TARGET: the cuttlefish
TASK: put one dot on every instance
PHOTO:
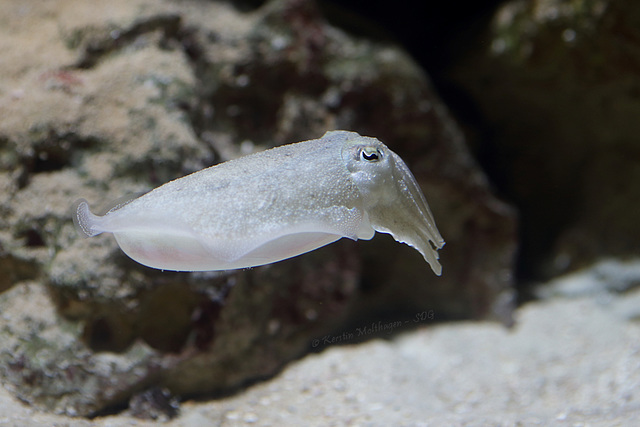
(273, 205)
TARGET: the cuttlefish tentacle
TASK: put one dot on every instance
(271, 206)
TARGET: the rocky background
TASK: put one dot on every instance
(556, 85)
(98, 100)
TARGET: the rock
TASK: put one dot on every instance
(604, 281)
(154, 404)
(557, 83)
(103, 101)
(568, 361)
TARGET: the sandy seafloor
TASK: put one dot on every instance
(572, 359)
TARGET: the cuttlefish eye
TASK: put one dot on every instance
(370, 154)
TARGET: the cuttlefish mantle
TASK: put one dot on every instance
(273, 205)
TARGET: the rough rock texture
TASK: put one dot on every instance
(558, 83)
(570, 361)
(98, 100)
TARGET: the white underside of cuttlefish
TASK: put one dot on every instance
(273, 205)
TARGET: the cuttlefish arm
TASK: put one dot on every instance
(408, 217)
(271, 206)
(393, 199)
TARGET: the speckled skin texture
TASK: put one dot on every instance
(273, 205)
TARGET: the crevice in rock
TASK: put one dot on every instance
(52, 151)
(167, 318)
(97, 46)
(32, 238)
(14, 270)
(109, 331)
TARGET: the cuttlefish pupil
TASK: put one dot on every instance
(371, 154)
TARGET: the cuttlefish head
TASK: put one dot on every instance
(392, 197)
